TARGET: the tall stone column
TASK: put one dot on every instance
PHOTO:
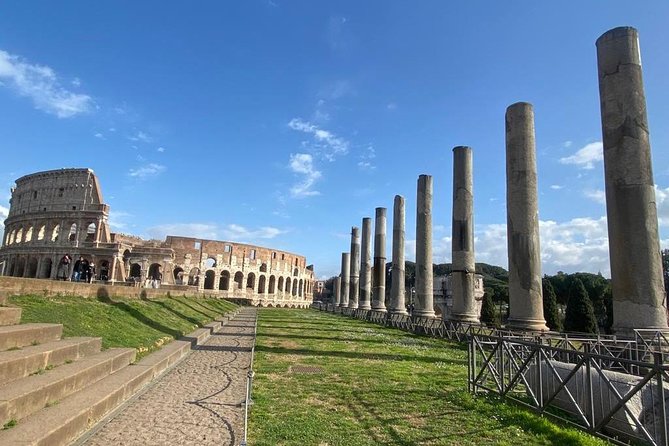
(337, 292)
(634, 247)
(522, 221)
(345, 278)
(424, 304)
(379, 293)
(366, 265)
(397, 304)
(462, 241)
(355, 268)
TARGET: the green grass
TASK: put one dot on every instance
(378, 386)
(143, 324)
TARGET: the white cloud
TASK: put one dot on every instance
(556, 187)
(325, 142)
(232, 232)
(76, 82)
(587, 156)
(366, 158)
(567, 144)
(141, 136)
(302, 164)
(149, 170)
(391, 106)
(99, 135)
(40, 83)
(662, 201)
(161, 149)
(4, 212)
(117, 220)
(596, 195)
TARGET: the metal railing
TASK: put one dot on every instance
(583, 392)
(249, 384)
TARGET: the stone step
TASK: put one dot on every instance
(17, 364)
(10, 316)
(32, 393)
(12, 336)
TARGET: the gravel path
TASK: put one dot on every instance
(195, 403)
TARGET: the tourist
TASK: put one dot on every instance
(83, 271)
(64, 267)
(91, 272)
(77, 271)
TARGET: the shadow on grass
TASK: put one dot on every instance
(181, 302)
(327, 338)
(354, 355)
(103, 296)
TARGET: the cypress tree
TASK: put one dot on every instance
(580, 316)
(551, 313)
(488, 315)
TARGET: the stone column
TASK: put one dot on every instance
(462, 241)
(522, 221)
(397, 304)
(379, 293)
(424, 304)
(337, 292)
(366, 265)
(355, 268)
(345, 271)
(634, 247)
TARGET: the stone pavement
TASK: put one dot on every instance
(195, 403)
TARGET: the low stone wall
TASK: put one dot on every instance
(17, 285)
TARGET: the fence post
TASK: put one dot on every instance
(590, 395)
(658, 366)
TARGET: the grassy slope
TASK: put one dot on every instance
(378, 387)
(143, 324)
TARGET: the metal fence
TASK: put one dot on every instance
(249, 385)
(610, 386)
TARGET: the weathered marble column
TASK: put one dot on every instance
(424, 304)
(337, 292)
(397, 304)
(345, 278)
(379, 286)
(354, 285)
(634, 247)
(522, 221)
(366, 265)
(462, 241)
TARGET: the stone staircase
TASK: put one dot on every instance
(52, 390)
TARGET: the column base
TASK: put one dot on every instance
(423, 313)
(527, 324)
(464, 318)
(398, 311)
(365, 307)
(353, 307)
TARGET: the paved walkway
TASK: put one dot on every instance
(195, 403)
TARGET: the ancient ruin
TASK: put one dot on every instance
(365, 302)
(354, 273)
(424, 303)
(59, 212)
(345, 279)
(397, 287)
(522, 217)
(379, 272)
(634, 246)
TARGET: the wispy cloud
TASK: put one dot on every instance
(41, 84)
(232, 232)
(596, 195)
(149, 170)
(366, 159)
(141, 136)
(587, 156)
(160, 149)
(4, 212)
(556, 187)
(302, 164)
(325, 143)
(117, 220)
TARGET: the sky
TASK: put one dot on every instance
(284, 123)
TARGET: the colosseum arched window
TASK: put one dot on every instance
(90, 232)
(29, 234)
(239, 280)
(55, 233)
(73, 233)
(40, 233)
(210, 263)
(19, 235)
(224, 281)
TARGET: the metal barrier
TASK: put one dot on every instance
(249, 385)
(582, 392)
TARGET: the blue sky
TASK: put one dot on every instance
(283, 123)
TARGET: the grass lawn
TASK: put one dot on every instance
(143, 324)
(369, 385)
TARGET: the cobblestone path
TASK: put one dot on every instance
(195, 403)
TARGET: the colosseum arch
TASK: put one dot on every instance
(210, 263)
(20, 267)
(91, 230)
(136, 270)
(263, 268)
(300, 288)
(45, 272)
(55, 233)
(41, 233)
(280, 286)
(178, 274)
(239, 280)
(287, 288)
(251, 281)
(296, 272)
(261, 284)
(272, 285)
(294, 293)
(29, 234)
(209, 278)
(72, 235)
(194, 276)
(155, 271)
(31, 268)
(19, 235)
(224, 281)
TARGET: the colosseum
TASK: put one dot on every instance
(61, 212)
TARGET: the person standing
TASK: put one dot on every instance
(91, 272)
(77, 269)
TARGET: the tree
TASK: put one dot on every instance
(551, 313)
(488, 314)
(580, 316)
